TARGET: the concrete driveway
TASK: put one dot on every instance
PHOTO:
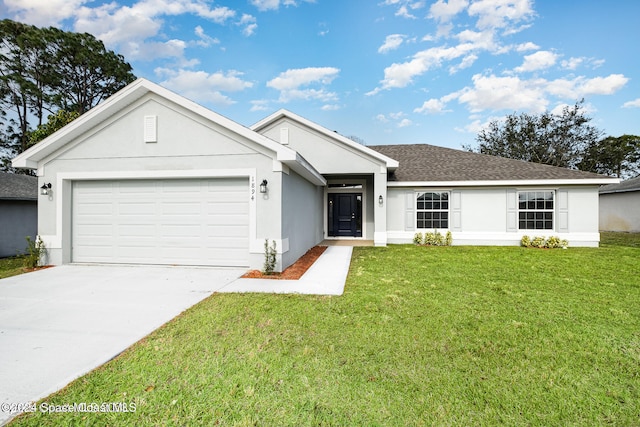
(60, 323)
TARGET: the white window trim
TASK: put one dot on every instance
(420, 191)
(553, 211)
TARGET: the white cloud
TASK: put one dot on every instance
(602, 85)
(500, 13)
(249, 23)
(295, 78)
(503, 93)
(259, 105)
(571, 63)
(632, 104)
(466, 62)
(382, 118)
(43, 13)
(523, 47)
(404, 13)
(391, 42)
(205, 40)
(264, 5)
(290, 83)
(131, 29)
(581, 86)
(330, 107)
(404, 123)
(202, 86)
(432, 106)
(400, 75)
(537, 61)
(404, 7)
(443, 11)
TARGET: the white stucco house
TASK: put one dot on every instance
(620, 206)
(149, 177)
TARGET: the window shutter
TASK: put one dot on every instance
(512, 211)
(562, 208)
(456, 211)
(410, 209)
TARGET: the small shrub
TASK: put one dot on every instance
(418, 238)
(35, 252)
(269, 257)
(433, 239)
(553, 242)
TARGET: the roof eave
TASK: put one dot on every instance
(501, 183)
(302, 167)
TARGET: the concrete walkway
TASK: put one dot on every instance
(325, 277)
(59, 323)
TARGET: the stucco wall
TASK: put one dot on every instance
(482, 215)
(620, 211)
(325, 154)
(301, 216)
(18, 219)
(186, 144)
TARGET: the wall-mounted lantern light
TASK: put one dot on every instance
(45, 189)
(380, 200)
(263, 186)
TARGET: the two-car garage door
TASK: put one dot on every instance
(174, 221)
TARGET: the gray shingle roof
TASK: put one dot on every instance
(632, 184)
(424, 162)
(18, 187)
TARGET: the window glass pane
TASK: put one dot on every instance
(432, 210)
(535, 210)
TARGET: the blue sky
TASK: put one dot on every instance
(385, 71)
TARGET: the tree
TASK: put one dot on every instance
(54, 122)
(618, 156)
(43, 70)
(552, 139)
(87, 72)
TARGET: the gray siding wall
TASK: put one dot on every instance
(620, 211)
(18, 219)
(301, 216)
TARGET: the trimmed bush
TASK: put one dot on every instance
(553, 242)
(433, 239)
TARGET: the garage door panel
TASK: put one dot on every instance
(182, 221)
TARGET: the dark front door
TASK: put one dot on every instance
(345, 214)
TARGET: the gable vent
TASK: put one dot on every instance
(284, 136)
(150, 128)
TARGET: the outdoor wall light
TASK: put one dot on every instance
(263, 186)
(45, 189)
(380, 200)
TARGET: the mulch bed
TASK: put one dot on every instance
(294, 271)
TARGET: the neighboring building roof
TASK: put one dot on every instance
(632, 184)
(424, 163)
(18, 187)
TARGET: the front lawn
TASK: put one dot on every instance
(12, 266)
(421, 336)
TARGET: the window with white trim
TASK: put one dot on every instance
(432, 210)
(535, 210)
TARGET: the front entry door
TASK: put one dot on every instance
(345, 214)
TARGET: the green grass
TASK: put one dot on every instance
(422, 336)
(12, 266)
